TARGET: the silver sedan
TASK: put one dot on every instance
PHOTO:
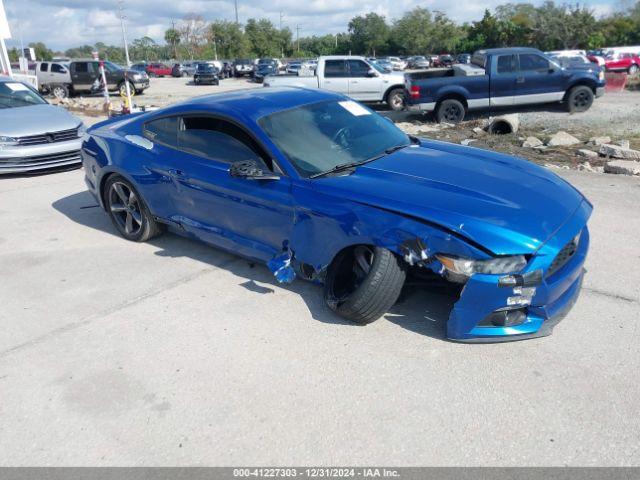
(35, 135)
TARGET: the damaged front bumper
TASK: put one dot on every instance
(482, 300)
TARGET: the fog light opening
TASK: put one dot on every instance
(505, 318)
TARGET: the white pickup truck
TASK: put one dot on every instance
(352, 76)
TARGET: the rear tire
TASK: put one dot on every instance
(363, 283)
(450, 111)
(395, 99)
(128, 211)
(579, 99)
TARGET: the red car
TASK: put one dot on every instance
(622, 62)
(158, 70)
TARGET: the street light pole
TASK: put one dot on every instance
(126, 54)
(124, 33)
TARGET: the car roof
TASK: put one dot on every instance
(498, 51)
(253, 104)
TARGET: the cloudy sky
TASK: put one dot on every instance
(65, 23)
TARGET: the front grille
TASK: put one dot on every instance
(61, 136)
(50, 160)
(564, 255)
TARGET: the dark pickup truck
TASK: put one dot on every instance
(502, 77)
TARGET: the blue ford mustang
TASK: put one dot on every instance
(317, 186)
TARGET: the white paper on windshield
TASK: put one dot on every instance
(16, 87)
(354, 108)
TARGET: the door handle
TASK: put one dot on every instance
(354, 81)
(176, 173)
(520, 80)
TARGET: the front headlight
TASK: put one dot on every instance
(137, 76)
(8, 142)
(493, 266)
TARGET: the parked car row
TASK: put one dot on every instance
(419, 62)
(615, 59)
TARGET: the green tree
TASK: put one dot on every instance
(42, 52)
(144, 48)
(446, 35)
(369, 34)
(411, 34)
(172, 37)
(14, 54)
(229, 39)
(264, 38)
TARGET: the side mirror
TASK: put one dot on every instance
(372, 73)
(250, 170)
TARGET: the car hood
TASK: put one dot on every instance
(507, 205)
(35, 120)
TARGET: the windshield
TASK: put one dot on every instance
(112, 67)
(379, 68)
(318, 137)
(15, 94)
(204, 67)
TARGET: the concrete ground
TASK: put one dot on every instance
(174, 353)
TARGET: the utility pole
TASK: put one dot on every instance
(236, 6)
(124, 33)
(298, 37)
(281, 46)
(126, 54)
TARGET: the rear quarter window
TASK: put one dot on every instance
(163, 130)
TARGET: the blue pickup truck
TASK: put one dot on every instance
(502, 77)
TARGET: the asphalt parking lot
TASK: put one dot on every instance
(174, 353)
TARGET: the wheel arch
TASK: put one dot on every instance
(454, 95)
(385, 97)
(106, 175)
(583, 82)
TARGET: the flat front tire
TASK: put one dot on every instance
(363, 283)
(128, 211)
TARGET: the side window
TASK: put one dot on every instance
(218, 140)
(506, 64)
(81, 67)
(530, 62)
(163, 130)
(357, 68)
(44, 67)
(57, 68)
(335, 68)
